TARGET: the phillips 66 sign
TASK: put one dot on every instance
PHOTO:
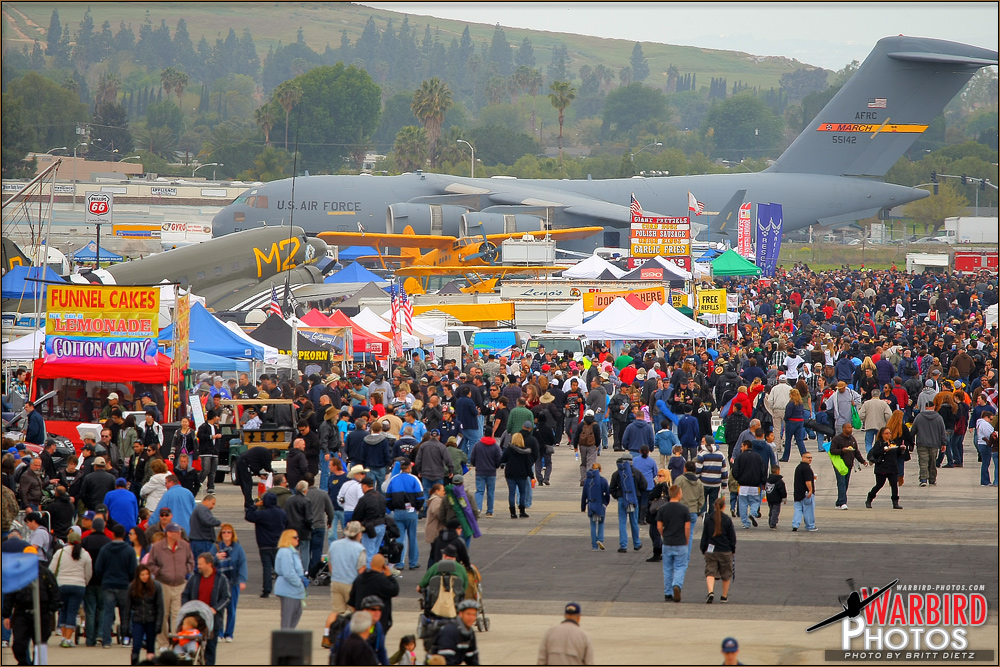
(99, 207)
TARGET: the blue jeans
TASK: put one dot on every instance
(515, 486)
(71, 597)
(324, 471)
(596, 532)
(267, 556)
(711, 495)
(694, 524)
(234, 592)
(143, 633)
(843, 481)
(793, 430)
(338, 521)
(93, 607)
(485, 485)
(632, 518)
(675, 565)
(470, 436)
(372, 544)
(956, 449)
(604, 434)
(114, 597)
(544, 461)
(407, 523)
(749, 504)
(734, 500)
(870, 436)
(805, 508)
(378, 474)
(984, 471)
(198, 547)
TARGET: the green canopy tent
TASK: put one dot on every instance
(731, 263)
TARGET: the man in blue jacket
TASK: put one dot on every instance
(467, 415)
(122, 505)
(269, 522)
(405, 497)
(638, 433)
(116, 565)
(689, 433)
(34, 429)
(485, 458)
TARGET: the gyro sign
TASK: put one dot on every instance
(101, 324)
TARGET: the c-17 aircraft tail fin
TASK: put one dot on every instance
(903, 85)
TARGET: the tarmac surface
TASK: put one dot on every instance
(785, 581)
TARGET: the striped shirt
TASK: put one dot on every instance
(711, 468)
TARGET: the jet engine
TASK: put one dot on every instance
(431, 219)
(475, 223)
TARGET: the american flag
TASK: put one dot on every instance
(407, 307)
(695, 205)
(275, 307)
(636, 208)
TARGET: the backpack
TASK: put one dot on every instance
(587, 435)
(909, 367)
(627, 481)
(337, 629)
(444, 591)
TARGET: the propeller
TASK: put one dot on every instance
(843, 599)
(488, 252)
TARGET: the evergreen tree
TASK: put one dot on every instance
(125, 38)
(525, 54)
(159, 95)
(55, 33)
(558, 69)
(36, 60)
(640, 68)
(103, 43)
(202, 70)
(344, 52)
(184, 54)
(64, 52)
(85, 38)
(500, 52)
(366, 48)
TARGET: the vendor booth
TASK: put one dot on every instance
(731, 263)
(276, 332)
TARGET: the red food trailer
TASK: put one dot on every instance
(971, 261)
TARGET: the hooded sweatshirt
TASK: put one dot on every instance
(519, 462)
(596, 494)
(376, 452)
(269, 521)
(928, 429)
(485, 457)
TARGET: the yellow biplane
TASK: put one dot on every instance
(423, 255)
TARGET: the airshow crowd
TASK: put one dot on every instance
(688, 441)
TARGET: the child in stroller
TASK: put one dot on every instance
(194, 623)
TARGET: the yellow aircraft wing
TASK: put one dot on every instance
(555, 234)
(501, 270)
(388, 240)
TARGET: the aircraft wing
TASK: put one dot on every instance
(555, 234)
(500, 270)
(832, 619)
(877, 594)
(424, 241)
(568, 202)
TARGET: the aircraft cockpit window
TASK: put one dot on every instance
(261, 201)
(240, 200)
(217, 271)
(250, 201)
(239, 216)
(200, 276)
(236, 266)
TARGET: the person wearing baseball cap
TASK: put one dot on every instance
(96, 484)
(567, 643)
(730, 652)
(456, 642)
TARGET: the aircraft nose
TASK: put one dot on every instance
(222, 222)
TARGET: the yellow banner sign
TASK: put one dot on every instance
(678, 299)
(659, 248)
(597, 301)
(182, 331)
(712, 301)
(101, 324)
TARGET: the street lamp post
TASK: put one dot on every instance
(209, 164)
(57, 148)
(632, 155)
(73, 207)
(472, 162)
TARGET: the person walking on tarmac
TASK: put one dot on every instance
(567, 643)
(254, 462)
(626, 485)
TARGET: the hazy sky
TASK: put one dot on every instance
(825, 34)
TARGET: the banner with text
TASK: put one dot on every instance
(597, 301)
(744, 238)
(659, 236)
(182, 331)
(100, 208)
(712, 301)
(101, 324)
(769, 228)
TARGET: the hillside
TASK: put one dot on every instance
(323, 23)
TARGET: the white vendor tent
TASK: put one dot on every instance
(425, 327)
(591, 268)
(657, 322)
(369, 321)
(567, 319)
(619, 311)
(991, 315)
(25, 347)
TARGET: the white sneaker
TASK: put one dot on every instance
(229, 640)
(843, 507)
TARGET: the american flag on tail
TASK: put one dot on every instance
(636, 208)
(695, 205)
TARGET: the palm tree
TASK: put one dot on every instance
(180, 81)
(431, 102)
(287, 95)
(496, 88)
(533, 84)
(167, 79)
(562, 95)
(266, 116)
(410, 148)
(157, 140)
(107, 88)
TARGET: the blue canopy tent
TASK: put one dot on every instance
(351, 253)
(16, 284)
(88, 253)
(354, 273)
(708, 256)
(211, 336)
(202, 361)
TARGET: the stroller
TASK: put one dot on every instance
(189, 644)
(475, 592)
(439, 601)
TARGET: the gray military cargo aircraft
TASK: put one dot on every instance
(830, 175)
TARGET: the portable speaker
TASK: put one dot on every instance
(291, 647)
